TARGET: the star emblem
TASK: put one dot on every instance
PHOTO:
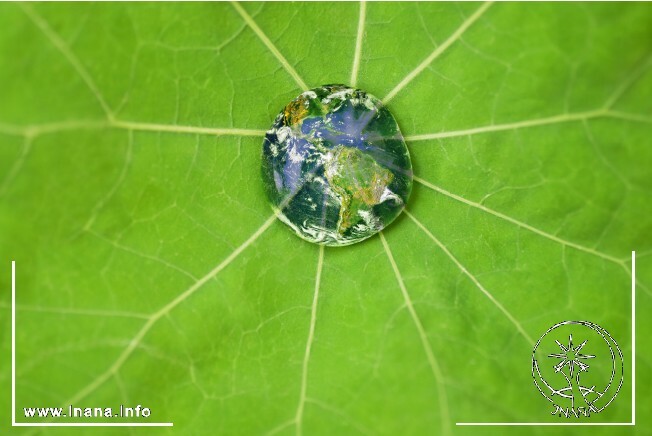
(571, 357)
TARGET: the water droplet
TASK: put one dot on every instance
(335, 165)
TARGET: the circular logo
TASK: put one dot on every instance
(578, 367)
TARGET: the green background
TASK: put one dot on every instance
(151, 272)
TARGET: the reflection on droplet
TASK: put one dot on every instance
(335, 165)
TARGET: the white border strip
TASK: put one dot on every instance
(605, 424)
(633, 338)
(13, 343)
(13, 382)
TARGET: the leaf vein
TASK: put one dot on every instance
(437, 51)
(63, 47)
(432, 360)
(358, 43)
(121, 177)
(475, 281)
(17, 166)
(270, 45)
(155, 317)
(311, 335)
(562, 118)
(518, 223)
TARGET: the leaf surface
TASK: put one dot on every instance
(151, 270)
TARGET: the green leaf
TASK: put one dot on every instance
(150, 269)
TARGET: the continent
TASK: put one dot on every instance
(296, 110)
(358, 180)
